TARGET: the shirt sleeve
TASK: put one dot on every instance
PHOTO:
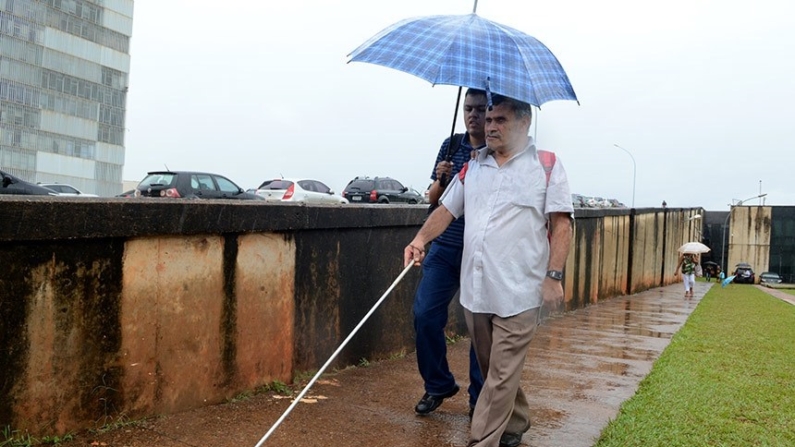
(453, 197)
(558, 193)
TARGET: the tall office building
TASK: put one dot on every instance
(64, 67)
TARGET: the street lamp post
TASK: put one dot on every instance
(723, 247)
(634, 171)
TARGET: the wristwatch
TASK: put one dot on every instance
(557, 275)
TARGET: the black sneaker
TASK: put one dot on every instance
(429, 403)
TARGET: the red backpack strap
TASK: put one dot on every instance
(463, 173)
(547, 159)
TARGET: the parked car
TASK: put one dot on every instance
(298, 190)
(743, 273)
(770, 278)
(578, 201)
(413, 196)
(66, 190)
(379, 190)
(15, 185)
(191, 185)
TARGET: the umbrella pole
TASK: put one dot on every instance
(455, 116)
(443, 180)
(333, 356)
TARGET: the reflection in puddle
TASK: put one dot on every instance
(587, 362)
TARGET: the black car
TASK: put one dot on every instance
(743, 273)
(191, 185)
(15, 185)
(379, 190)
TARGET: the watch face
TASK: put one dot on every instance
(555, 274)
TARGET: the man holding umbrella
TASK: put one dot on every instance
(441, 270)
(511, 265)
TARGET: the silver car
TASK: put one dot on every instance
(770, 278)
(298, 191)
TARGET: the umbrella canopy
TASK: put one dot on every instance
(726, 281)
(693, 248)
(709, 263)
(470, 51)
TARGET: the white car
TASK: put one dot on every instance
(298, 190)
(62, 189)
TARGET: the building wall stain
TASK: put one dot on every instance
(341, 277)
(229, 312)
(750, 238)
(64, 365)
(264, 326)
(172, 295)
(648, 251)
(582, 264)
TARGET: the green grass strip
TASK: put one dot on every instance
(726, 379)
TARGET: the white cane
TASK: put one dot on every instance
(334, 355)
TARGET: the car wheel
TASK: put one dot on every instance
(383, 200)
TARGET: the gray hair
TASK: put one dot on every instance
(520, 108)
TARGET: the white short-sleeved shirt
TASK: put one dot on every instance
(506, 248)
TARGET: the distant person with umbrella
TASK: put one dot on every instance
(687, 266)
(710, 270)
(511, 264)
(442, 269)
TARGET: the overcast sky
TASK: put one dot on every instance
(700, 92)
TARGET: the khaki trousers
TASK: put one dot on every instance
(501, 348)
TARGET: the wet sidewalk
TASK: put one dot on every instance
(780, 294)
(581, 366)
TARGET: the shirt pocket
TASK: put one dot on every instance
(528, 190)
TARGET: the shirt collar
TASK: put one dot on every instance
(485, 157)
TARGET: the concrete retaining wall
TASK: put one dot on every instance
(130, 307)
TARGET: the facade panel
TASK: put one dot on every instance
(64, 70)
(124, 7)
(782, 242)
(118, 22)
(56, 164)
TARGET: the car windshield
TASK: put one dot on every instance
(360, 185)
(276, 184)
(158, 179)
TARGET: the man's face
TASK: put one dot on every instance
(475, 113)
(504, 131)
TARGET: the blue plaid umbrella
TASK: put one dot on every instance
(470, 51)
